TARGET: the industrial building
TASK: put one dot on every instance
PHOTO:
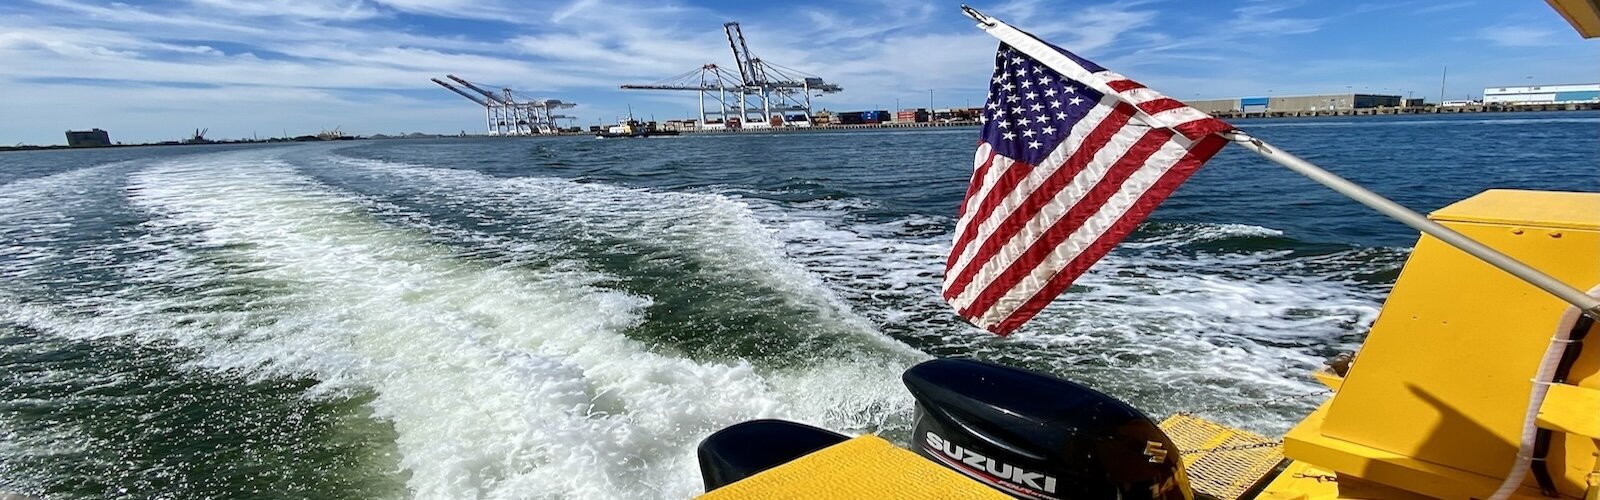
(1290, 104)
(88, 138)
(1543, 94)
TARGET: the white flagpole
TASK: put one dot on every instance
(1037, 49)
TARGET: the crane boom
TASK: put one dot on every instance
(475, 88)
(508, 112)
(452, 88)
(670, 87)
(741, 53)
(828, 87)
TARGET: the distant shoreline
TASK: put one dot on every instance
(1387, 111)
(30, 147)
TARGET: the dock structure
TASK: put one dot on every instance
(821, 123)
(1409, 110)
(761, 95)
(1357, 104)
(1332, 103)
(509, 112)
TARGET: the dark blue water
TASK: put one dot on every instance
(567, 316)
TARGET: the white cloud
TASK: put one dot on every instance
(571, 9)
(344, 54)
(1261, 17)
(1518, 35)
(331, 10)
(146, 114)
(1442, 7)
(577, 46)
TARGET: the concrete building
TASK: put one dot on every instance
(1215, 105)
(1322, 102)
(88, 138)
(1543, 94)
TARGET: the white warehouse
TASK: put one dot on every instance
(1543, 94)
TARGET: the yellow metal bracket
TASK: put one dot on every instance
(1328, 379)
(1571, 409)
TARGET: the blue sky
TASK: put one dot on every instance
(158, 70)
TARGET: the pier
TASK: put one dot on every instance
(1409, 110)
(1375, 111)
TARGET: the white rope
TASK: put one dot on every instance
(1541, 387)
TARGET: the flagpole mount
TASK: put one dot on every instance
(982, 19)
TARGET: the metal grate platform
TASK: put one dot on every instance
(1222, 462)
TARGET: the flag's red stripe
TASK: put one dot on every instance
(1092, 202)
(1197, 155)
(1123, 85)
(1196, 129)
(965, 237)
(1013, 175)
(1097, 138)
(1159, 105)
(977, 181)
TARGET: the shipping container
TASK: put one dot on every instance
(911, 115)
(859, 117)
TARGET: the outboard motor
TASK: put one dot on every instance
(745, 449)
(1039, 437)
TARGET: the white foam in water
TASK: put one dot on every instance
(719, 230)
(729, 243)
(1190, 233)
(37, 212)
(1170, 331)
(722, 236)
(501, 382)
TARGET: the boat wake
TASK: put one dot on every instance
(499, 377)
(488, 337)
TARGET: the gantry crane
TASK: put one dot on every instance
(506, 115)
(763, 94)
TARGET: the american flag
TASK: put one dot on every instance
(1072, 158)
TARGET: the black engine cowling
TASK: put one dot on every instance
(1036, 436)
(745, 449)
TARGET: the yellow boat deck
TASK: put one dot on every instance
(863, 467)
